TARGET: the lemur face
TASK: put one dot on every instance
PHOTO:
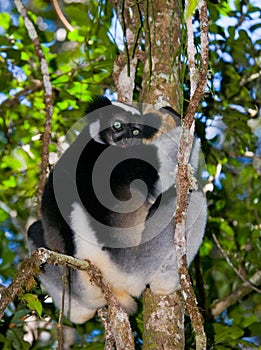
(124, 131)
(114, 125)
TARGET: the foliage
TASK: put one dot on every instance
(228, 123)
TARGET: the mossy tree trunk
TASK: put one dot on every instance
(154, 26)
(163, 316)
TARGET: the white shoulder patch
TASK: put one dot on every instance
(126, 107)
(85, 238)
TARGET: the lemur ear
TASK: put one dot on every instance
(94, 109)
(152, 123)
(95, 130)
(96, 103)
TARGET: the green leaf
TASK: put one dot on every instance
(225, 333)
(5, 20)
(226, 228)
(33, 303)
(15, 337)
(9, 183)
(190, 8)
(206, 248)
(224, 9)
(75, 36)
(3, 215)
(63, 105)
(64, 78)
(18, 318)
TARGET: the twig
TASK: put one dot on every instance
(61, 16)
(118, 319)
(191, 55)
(61, 315)
(125, 66)
(250, 78)
(48, 99)
(203, 69)
(236, 295)
(13, 217)
(15, 99)
(183, 185)
(237, 272)
(23, 279)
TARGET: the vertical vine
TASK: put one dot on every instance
(198, 80)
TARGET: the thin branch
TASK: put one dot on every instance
(61, 16)
(15, 99)
(203, 69)
(237, 272)
(13, 217)
(191, 55)
(236, 295)
(118, 319)
(37, 85)
(125, 66)
(183, 180)
(252, 77)
(23, 279)
(61, 315)
(183, 186)
(48, 98)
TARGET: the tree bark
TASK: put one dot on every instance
(163, 321)
(163, 316)
(161, 80)
(161, 86)
(125, 66)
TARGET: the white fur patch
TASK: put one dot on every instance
(87, 247)
(127, 108)
(95, 128)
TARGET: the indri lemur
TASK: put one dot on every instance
(111, 199)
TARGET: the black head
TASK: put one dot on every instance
(119, 124)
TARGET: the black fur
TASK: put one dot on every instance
(121, 178)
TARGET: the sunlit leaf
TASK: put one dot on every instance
(33, 303)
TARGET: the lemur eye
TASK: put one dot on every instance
(117, 124)
(135, 132)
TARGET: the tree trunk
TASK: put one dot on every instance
(163, 322)
(161, 85)
(161, 79)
